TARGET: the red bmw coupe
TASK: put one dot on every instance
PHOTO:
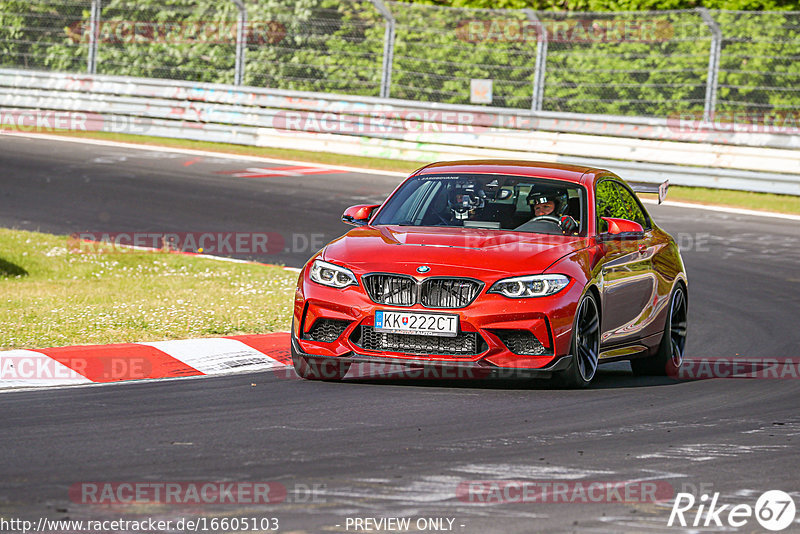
(539, 269)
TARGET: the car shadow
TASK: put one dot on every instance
(617, 375)
(8, 269)
(613, 379)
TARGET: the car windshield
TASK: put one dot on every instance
(521, 204)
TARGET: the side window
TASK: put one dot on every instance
(605, 195)
(631, 209)
(613, 200)
(522, 198)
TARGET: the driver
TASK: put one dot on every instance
(543, 204)
(552, 205)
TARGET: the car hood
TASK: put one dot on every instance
(448, 251)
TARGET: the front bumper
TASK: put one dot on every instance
(431, 367)
(489, 316)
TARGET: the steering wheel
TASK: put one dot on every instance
(566, 227)
(548, 218)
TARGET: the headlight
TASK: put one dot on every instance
(332, 275)
(538, 285)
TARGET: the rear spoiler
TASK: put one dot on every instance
(659, 189)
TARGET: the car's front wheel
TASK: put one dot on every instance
(585, 345)
(669, 358)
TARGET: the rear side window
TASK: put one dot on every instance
(616, 201)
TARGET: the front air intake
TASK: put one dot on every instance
(326, 330)
(521, 342)
(464, 344)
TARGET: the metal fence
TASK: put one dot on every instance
(706, 63)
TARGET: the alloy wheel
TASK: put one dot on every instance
(587, 339)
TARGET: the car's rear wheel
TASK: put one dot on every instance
(669, 358)
(319, 368)
(585, 345)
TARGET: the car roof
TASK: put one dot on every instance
(538, 169)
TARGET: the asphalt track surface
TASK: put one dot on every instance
(378, 448)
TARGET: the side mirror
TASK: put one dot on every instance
(358, 215)
(622, 226)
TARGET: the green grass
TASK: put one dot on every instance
(739, 199)
(719, 197)
(52, 296)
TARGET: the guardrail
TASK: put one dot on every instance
(685, 151)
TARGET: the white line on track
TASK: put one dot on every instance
(241, 157)
(206, 153)
(725, 209)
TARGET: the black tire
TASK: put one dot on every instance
(669, 358)
(319, 368)
(585, 347)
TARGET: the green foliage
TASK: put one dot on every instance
(616, 202)
(337, 46)
(35, 35)
(168, 39)
(621, 5)
(758, 66)
(324, 45)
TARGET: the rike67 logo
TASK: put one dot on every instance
(774, 510)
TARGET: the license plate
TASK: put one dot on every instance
(426, 324)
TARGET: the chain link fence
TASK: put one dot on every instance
(439, 50)
(649, 63)
(760, 62)
(653, 63)
(180, 40)
(41, 34)
(326, 46)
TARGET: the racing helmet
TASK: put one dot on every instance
(559, 199)
(464, 198)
